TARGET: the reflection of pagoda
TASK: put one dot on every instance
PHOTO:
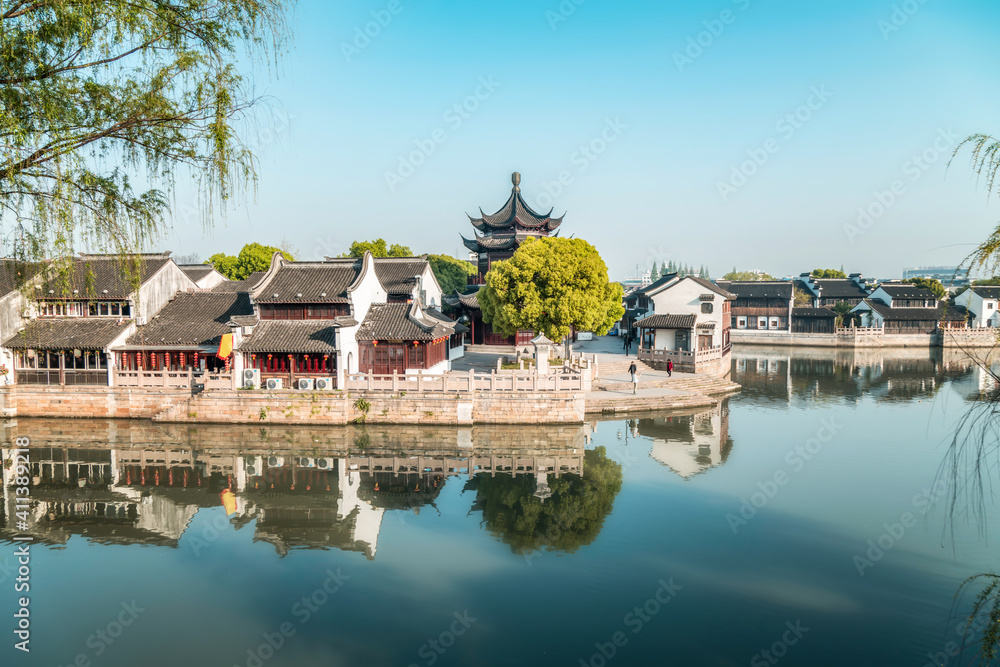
(496, 238)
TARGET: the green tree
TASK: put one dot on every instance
(452, 274)
(572, 517)
(378, 248)
(98, 97)
(827, 273)
(654, 273)
(933, 284)
(747, 275)
(549, 286)
(252, 258)
(803, 299)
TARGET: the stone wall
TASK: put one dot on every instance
(88, 401)
(293, 407)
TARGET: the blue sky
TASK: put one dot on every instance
(670, 126)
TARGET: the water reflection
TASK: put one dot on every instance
(303, 488)
(689, 444)
(781, 375)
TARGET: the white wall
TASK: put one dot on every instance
(366, 292)
(684, 298)
(158, 290)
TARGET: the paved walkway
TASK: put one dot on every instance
(613, 389)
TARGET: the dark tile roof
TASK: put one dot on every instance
(101, 276)
(943, 311)
(515, 214)
(709, 285)
(907, 292)
(813, 312)
(396, 321)
(65, 333)
(240, 285)
(15, 273)
(395, 273)
(470, 301)
(317, 282)
(293, 337)
(667, 322)
(196, 271)
(753, 289)
(193, 318)
(436, 314)
(839, 289)
(986, 291)
(656, 284)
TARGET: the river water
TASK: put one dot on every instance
(803, 522)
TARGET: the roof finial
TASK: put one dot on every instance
(515, 178)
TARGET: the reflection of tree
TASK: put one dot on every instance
(572, 517)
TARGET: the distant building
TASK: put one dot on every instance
(761, 306)
(981, 302)
(950, 276)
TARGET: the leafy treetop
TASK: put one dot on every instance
(933, 284)
(828, 273)
(452, 274)
(378, 248)
(252, 258)
(550, 286)
(747, 275)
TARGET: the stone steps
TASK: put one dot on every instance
(638, 404)
(707, 386)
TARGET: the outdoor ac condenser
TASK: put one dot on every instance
(324, 464)
(324, 384)
(275, 383)
(251, 378)
(305, 384)
(254, 465)
(276, 462)
(306, 462)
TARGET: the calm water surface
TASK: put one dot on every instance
(699, 539)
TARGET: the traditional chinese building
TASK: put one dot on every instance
(84, 307)
(496, 238)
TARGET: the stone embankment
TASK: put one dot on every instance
(611, 393)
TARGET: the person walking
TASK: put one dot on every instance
(670, 368)
(633, 370)
(625, 344)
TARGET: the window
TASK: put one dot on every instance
(761, 322)
(92, 309)
(991, 305)
(116, 309)
(774, 323)
(707, 308)
(741, 323)
(103, 308)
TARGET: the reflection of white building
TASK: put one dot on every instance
(690, 444)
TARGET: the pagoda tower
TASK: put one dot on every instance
(497, 236)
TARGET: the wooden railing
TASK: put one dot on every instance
(468, 382)
(170, 379)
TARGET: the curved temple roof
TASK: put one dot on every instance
(516, 215)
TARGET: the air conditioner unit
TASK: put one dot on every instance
(324, 384)
(275, 461)
(254, 465)
(251, 378)
(324, 464)
(305, 384)
(275, 383)
(306, 462)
